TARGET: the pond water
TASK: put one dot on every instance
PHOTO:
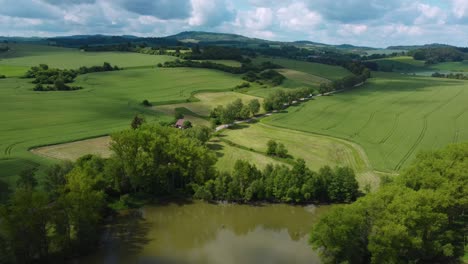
(208, 233)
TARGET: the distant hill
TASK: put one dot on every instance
(199, 36)
(414, 47)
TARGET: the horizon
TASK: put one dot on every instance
(356, 22)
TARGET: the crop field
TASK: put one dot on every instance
(107, 104)
(325, 71)
(207, 102)
(393, 117)
(63, 58)
(461, 66)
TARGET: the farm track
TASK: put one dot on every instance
(456, 135)
(369, 120)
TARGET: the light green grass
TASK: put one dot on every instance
(459, 66)
(207, 102)
(107, 104)
(325, 71)
(13, 71)
(228, 155)
(393, 117)
(316, 150)
(64, 58)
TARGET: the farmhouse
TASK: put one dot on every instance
(179, 123)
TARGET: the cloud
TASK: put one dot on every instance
(297, 16)
(210, 13)
(163, 9)
(359, 22)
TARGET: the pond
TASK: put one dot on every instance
(211, 233)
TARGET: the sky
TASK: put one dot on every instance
(377, 23)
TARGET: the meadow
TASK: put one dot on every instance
(392, 117)
(107, 104)
(24, 55)
(317, 70)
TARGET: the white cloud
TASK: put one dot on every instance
(460, 8)
(352, 29)
(298, 17)
(209, 12)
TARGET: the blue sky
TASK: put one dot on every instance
(378, 23)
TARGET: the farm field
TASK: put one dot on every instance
(393, 117)
(64, 58)
(107, 104)
(325, 71)
(206, 103)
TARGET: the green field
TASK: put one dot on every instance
(107, 104)
(392, 117)
(325, 71)
(63, 58)
(207, 102)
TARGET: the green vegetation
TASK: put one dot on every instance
(234, 111)
(25, 55)
(322, 70)
(107, 104)
(392, 117)
(435, 55)
(418, 218)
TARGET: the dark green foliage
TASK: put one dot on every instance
(281, 99)
(137, 122)
(420, 217)
(146, 103)
(458, 76)
(2, 76)
(276, 149)
(215, 53)
(48, 79)
(27, 178)
(275, 184)
(434, 55)
(160, 160)
(234, 111)
(187, 124)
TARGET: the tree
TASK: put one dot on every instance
(146, 103)
(54, 179)
(418, 218)
(187, 124)
(137, 122)
(27, 178)
(254, 106)
(281, 151)
(271, 147)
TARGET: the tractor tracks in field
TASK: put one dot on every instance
(456, 135)
(424, 130)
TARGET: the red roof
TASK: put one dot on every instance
(180, 123)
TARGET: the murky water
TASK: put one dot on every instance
(208, 233)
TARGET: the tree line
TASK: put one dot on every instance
(281, 99)
(253, 73)
(60, 216)
(280, 183)
(235, 110)
(417, 217)
(434, 55)
(457, 76)
(51, 79)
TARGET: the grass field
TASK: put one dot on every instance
(107, 104)
(33, 55)
(392, 117)
(207, 102)
(74, 150)
(316, 150)
(13, 71)
(325, 71)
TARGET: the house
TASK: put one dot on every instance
(180, 123)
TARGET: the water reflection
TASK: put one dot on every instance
(207, 233)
